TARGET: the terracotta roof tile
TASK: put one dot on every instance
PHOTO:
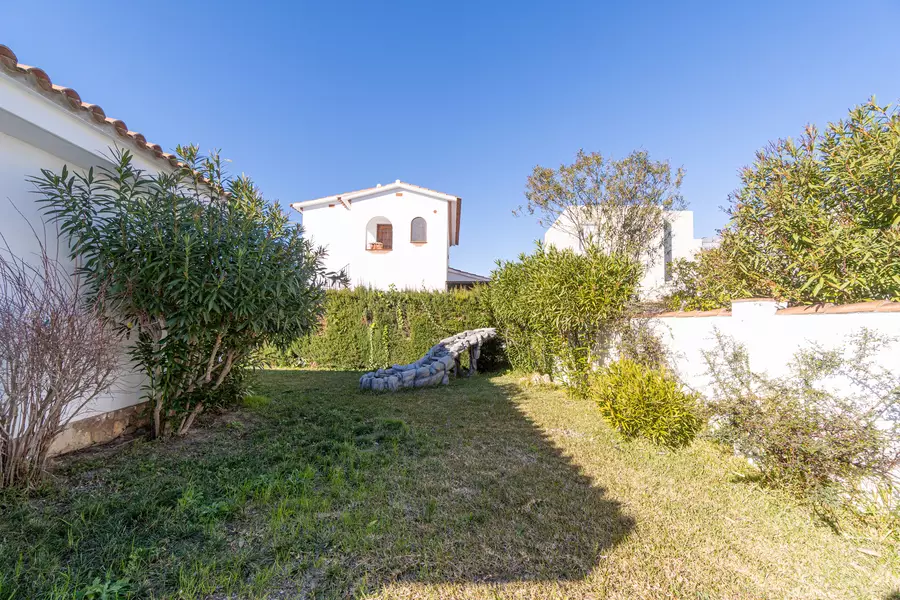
(809, 309)
(888, 307)
(880, 306)
(682, 314)
(39, 79)
(842, 309)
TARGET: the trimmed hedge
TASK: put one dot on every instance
(370, 329)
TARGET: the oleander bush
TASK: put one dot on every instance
(827, 430)
(558, 311)
(642, 401)
(370, 329)
(815, 219)
(195, 267)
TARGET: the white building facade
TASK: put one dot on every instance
(675, 242)
(46, 126)
(397, 234)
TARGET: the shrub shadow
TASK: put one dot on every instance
(492, 499)
(317, 490)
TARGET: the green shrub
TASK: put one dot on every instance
(558, 310)
(805, 431)
(815, 219)
(195, 267)
(370, 329)
(646, 402)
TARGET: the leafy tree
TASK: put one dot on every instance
(616, 205)
(195, 267)
(815, 220)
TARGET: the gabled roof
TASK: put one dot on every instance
(458, 275)
(346, 199)
(39, 80)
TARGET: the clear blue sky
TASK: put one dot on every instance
(315, 98)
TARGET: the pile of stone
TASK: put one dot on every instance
(434, 368)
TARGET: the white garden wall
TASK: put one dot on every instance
(772, 335)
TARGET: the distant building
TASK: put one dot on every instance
(397, 234)
(676, 241)
(463, 279)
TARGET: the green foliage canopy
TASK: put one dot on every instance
(559, 305)
(196, 267)
(815, 220)
(617, 205)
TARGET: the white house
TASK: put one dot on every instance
(676, 241)
(397, 234)
(46, 126)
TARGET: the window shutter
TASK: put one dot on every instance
(419, 230)
(385, 235)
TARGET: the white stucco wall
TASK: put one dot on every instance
(653, 284)
(407, 266)
(771, 338)
(37, 133)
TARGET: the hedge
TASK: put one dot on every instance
(370, 329)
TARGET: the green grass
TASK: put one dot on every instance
(480, 490)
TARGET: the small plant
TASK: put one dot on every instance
(646, 402)
(256, 401)
(107, 589)
(826, 430)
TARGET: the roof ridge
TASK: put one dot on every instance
(466, 272)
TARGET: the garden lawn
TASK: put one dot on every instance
(485, 489)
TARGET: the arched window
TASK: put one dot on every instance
(379, 234)
(419, 230)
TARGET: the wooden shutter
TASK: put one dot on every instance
(418, 233)
(385, 235)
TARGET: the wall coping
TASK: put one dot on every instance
(822, 308)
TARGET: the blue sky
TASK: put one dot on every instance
(315, 98)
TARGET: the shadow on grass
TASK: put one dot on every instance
(508, 505)
(322, 491)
